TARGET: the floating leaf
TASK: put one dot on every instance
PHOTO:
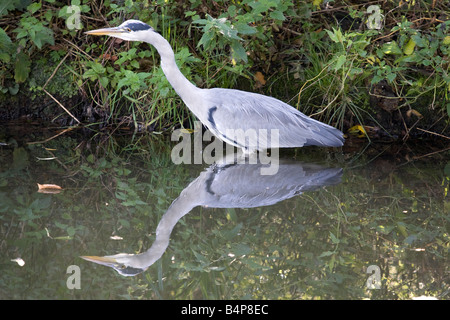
(49, 188)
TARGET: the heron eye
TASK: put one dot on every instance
(128, 29)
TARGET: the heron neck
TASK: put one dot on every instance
(179, 208)
(184, 88)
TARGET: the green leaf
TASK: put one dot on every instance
(244, 28)
(124, 223)
(5, 57)
(42, 36)
(205, 39)
(70, 231)
(22, 67)
(190, 13)
(317, 3)
(391, 48)
(408, 49)
(391, 77)
(420, 41)
(277, 15)
(446, 40)
(6, 45)
(336, 35)
(238, 51)
(340, 62)
(241, 249)
(98, 68)
(13, 90)
(34, 7)
(104, 81)
(326, 254)
(134, 64)
(334, 239)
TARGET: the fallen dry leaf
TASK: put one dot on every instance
(108, 56)
(259, 77)
(49, 188)
(413, 112)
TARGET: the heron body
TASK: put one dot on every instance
(227, 112)
(227, 185)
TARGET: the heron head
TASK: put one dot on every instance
(130, 30)
(125, 264)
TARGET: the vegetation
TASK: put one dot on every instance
(383, 64)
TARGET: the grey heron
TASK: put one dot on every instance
(227, 185)
(229, 112)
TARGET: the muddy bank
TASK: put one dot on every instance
(47, 109)
(386, 123)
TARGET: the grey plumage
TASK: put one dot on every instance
(228, 110)
(226, 186)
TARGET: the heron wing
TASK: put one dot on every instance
(241, 185)
(251, 113)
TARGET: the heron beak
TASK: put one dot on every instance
(105, 261)
(106, 31)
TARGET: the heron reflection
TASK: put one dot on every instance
(225, 186)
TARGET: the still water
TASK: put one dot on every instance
(367, 221)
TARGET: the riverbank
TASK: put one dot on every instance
(377, 70)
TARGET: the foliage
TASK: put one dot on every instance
(335, 55)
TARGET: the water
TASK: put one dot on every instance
(370, 221)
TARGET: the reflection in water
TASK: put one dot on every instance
(226, 186)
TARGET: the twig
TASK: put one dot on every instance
(51, 138)
(430, 154)
(64, 108)
(436, 134)
(292, 31)
(78, 48)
